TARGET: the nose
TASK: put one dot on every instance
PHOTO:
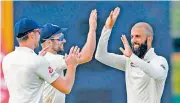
(64, 40)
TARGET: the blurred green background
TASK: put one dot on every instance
(175, 31)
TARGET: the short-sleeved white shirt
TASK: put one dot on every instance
(25, 73)
(51, 94)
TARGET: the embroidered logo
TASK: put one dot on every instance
(132, 64)
(50, 70)
(163, 67)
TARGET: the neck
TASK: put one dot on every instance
(149, 47)
(51, 51)
(26, 44)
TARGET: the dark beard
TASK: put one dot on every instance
(141, 51)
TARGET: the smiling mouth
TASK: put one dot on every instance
(136, 46)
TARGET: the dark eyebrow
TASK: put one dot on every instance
(134, 34)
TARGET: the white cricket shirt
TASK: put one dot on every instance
(25, 73)
(145, 78)
(51, 94)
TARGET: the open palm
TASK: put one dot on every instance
(112, 18)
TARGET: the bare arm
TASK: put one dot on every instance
(88, 50)
(65, 84)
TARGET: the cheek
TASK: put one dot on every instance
(141, 40)
(132, 41)
(37, 36)
(57, 44)
(60, 43)
(136, 40)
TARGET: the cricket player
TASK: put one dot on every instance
(25, 71)
(53, 35)
(145, 71)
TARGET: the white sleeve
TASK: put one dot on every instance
(157, 68)
(110, 59)
(46, 72)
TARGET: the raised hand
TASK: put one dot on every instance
(43, 51)
(73, 58)
(93, 20)
(127, 51)
(112, 18)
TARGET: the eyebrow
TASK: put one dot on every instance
(134, 34)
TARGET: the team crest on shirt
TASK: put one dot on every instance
(132, 64)
(163, 67)
(50, 70)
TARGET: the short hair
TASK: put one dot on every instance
(24, 38)
(146, 26)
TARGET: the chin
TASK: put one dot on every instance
(62, 49)
(136, 48)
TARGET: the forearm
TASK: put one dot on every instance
(65, 84)
(69, 78)
(103, 42)
(89, 47)
(154, 69)
(110, 59)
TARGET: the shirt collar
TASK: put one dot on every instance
(49, 53)
(150, 54)
(24, 49)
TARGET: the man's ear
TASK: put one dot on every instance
(49, 42)
(30, 35)
(149, 40)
